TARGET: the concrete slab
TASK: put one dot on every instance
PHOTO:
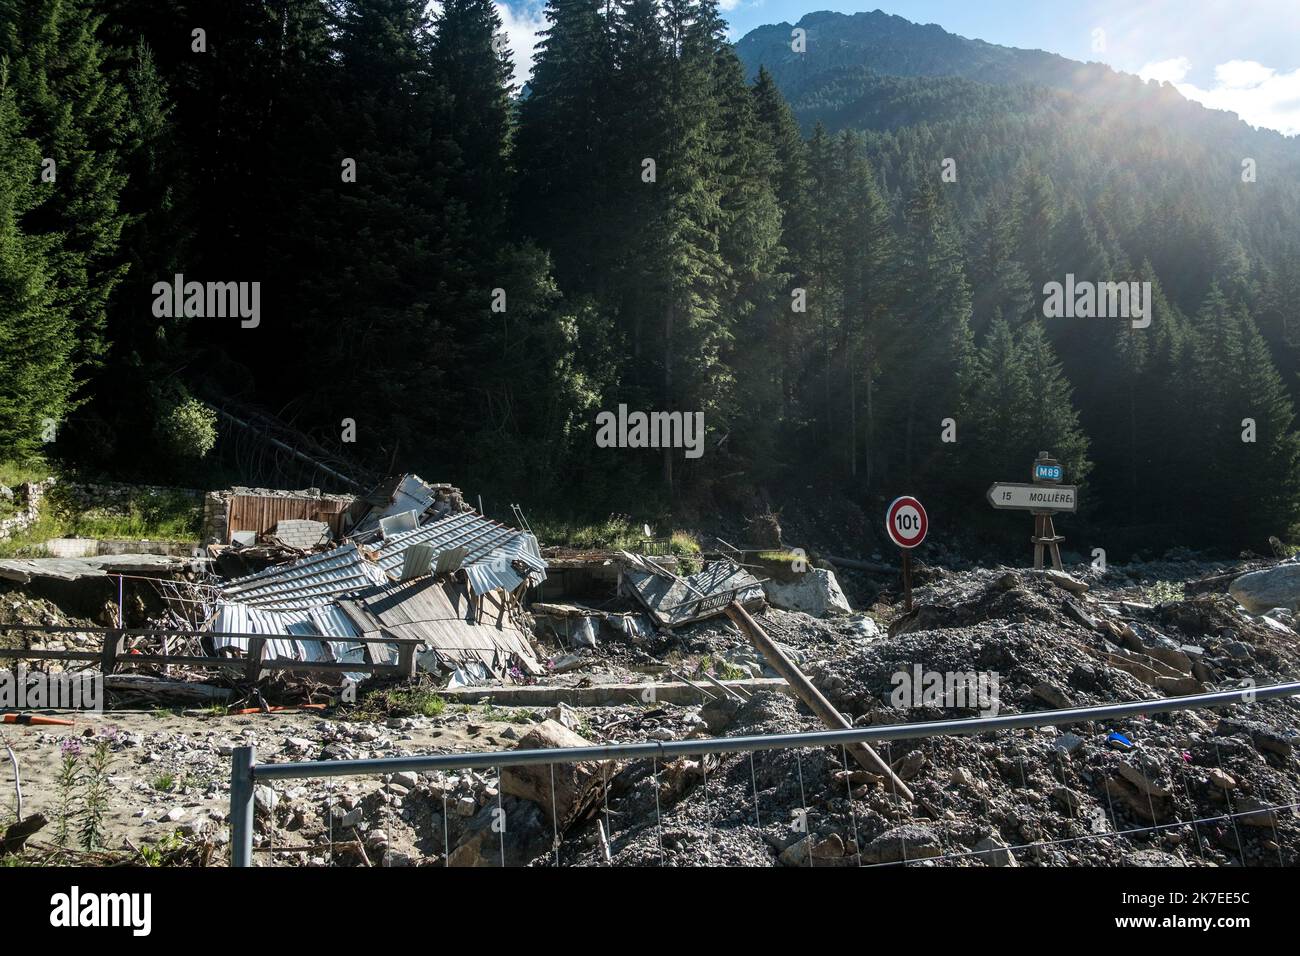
(602, 695)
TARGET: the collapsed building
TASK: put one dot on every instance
(419, 566)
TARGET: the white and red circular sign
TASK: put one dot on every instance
(906, 522)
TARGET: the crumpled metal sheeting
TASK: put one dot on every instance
(327, 621)
(674, 600)
(443, 616)
(309, 582)
(491, 548)
(412, 493)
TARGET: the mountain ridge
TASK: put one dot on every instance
(891, 45)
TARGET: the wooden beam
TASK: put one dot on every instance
(810, 695)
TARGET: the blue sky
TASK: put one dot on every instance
(1240, 55)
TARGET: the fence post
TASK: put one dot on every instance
(256, 647)
(241, 805)
(113, 641)
(406, 659)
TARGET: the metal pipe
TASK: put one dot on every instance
(686, 680)
(824, 738)
(18, 783)
(242, 762)
(723, 687)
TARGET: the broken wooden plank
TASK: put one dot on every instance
(157, 687)
(811, 696)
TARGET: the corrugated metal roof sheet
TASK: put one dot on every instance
(490, 552)
(490, 547)
(326, 621)
(441, 614)
(677, 600)
(308, 582)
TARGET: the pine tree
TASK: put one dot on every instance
(866, 237)
(377, 266)
(790, 183)
(1246, 449)
(37, 333)
(75, 109)
(750, 245)
(474, 69)
(930, 340)
(117, 426)
(822, 267)
(564, 162)
(1000, 281)
(1051, 421)
(995, 406)
(1016, 403)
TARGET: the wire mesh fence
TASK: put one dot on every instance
(800, 797)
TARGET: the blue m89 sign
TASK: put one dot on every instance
(1045, 472)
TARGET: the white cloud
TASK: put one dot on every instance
(522, 23)
(1167, 71)
(1259, 94)
(1242, 74)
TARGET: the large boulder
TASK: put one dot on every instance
(566, 792)
(1259, 591)
(814, 592)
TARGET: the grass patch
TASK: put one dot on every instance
(615, 532)
(163, 782)
(780, 557)
(399, 702)
(156, 515)
(14, 473)
(30, 543)
(1164, 591)
(728, 671)
(151, 515)
(683, 542)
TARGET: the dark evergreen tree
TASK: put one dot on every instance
(75, 109)
(37, 331)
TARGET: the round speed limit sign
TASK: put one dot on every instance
(906, 522)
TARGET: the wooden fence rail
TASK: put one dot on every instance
(113, 652)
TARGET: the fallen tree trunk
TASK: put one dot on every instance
(156, 687)
(810, 695)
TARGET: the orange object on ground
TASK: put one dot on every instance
(276, 710)
(35, 719)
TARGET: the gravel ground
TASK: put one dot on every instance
(1189, 788)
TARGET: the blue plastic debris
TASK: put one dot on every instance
(1119, 741)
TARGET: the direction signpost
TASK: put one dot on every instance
(1044, 497)
(907, 525)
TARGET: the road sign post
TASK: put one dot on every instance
(1043, 497)
(907, 525)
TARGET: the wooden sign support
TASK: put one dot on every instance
(1045, 536)
(1043, 499)
(1046, 471)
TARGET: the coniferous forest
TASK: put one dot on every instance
(838, 256)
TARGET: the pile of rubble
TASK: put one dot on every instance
(620, 647)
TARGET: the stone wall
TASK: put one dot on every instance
(79, 496)
(28, 497)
